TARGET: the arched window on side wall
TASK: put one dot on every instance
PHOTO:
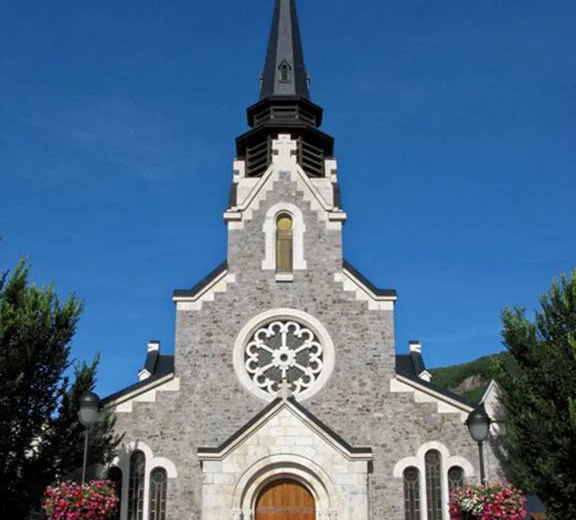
(455, 478)
(432, 461)
(412, 493)
(158, 485)
(136, 486)
(114, 475)
(284, 246)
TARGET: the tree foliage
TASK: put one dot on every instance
(538, 395)
(41, 438)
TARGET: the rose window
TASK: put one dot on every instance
(284, 351)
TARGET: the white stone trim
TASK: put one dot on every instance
(283, 313)
(336, 445)
(446, 462)
(363, 293)
(298, 230)
(425, 394)
(144, 394)
(274, 467)
(207, 294)
(283, 161)
(285, 443)
(122, 461)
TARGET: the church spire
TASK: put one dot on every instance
(284, 71)
(284, 106)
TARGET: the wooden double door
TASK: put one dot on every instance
(285, 499)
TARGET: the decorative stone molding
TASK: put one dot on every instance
(447, 462)
(146, 394)
(122, 461)
(375, 302)
(206, 294)
(285, 443)
(425, 394)
(253, 337)
(269, 228)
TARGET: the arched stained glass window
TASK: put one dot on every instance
(432, 461)
(158, 485)
(114, 475)
(284, 244)
(136, 486)
(455, 478)
(412, 493)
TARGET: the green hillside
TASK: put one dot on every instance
(469, 379)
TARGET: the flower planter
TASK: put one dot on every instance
(497, 501)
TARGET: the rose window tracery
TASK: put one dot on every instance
(284, 351)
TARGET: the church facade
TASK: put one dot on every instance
(285, 398)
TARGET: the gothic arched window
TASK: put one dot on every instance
(284, 69)
(114, 475)
(284, 262)
(136, 486)
(412, 493)
(432, 461)
(158, 485)
(455, 478)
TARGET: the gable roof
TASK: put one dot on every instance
(163, 367)
(219, 452)
(211, 276)
(361, 278)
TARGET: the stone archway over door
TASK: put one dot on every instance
(285, 499)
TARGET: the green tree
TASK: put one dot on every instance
(41, 438)
(538, 395)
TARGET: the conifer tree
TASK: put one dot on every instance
(538, 395)
(40, 435)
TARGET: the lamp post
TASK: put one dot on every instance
(478, 424)
(88, 414)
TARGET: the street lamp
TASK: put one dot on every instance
(478, 423)
(88, 414)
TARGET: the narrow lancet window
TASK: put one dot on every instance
(455, 478)
(411, 493)
(432, 461)
(284, 246)
(158, 484)
(114, 475)
(136, 486)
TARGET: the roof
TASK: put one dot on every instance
(376, 290)
(411, 363)
(164, 366)
(401, 370)
(202, 283)
(284, 51)
(278, 403)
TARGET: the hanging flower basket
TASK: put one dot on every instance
(498, 501)
(72, 501)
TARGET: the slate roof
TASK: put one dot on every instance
(414, 377)
(376, 290)
(412, 363)
(277, 402)
(164, 366)
(284, 46)
(202, 283)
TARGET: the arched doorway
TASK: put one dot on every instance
(285, 499)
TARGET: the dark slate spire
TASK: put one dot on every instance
(284, 106)
(284, 71)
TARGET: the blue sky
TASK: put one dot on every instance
(454, 127)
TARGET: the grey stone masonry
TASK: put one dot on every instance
(357, 402)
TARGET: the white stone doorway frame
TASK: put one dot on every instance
(276, 467)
